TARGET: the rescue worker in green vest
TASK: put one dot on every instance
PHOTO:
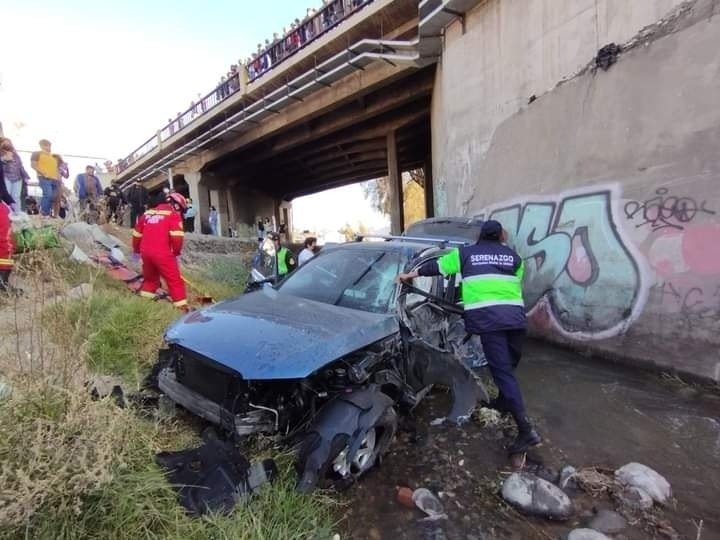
(286, 262)
(494, 314)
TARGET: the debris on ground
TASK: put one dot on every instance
(5, 389)
(426, 501)
(595, 481)
(405, 497)
(536, 496)
(646, 479)
(214, 477)
(103, 386)
(586, 534)
(608, 522)
(634, 498)
(567, 478)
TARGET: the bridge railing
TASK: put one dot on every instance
(324, 20)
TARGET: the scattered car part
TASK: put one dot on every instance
(215, 476)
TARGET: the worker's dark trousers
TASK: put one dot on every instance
(503, 350)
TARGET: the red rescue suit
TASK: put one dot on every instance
(7, 246)
(158, 238)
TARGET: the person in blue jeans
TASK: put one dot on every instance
(48, 171)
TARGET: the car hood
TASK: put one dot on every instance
(269, 335)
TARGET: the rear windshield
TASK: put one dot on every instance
(361, 279)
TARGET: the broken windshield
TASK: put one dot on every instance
(359, 279)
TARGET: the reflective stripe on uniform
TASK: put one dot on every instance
(137, 234)
(158, 212)
(177, 233)
(7, 262)
(489, 303)
(180, 303)
(146, 294)
(490, 277)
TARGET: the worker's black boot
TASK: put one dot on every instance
(527, 437)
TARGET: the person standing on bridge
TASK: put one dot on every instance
(158, 239)
(494, 315)
(138, 199)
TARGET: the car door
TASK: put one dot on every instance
(433, 337)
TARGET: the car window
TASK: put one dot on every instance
(424, 283)
(361, 279)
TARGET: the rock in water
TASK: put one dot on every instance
(537, 496)
(645, 478)
(608, 522)
(586, 534)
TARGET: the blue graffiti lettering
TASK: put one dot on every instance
(575, 257)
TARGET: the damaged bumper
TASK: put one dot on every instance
(260, 420)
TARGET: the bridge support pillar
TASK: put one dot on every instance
(397, 218)
(200, 196)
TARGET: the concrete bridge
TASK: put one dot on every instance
(351, 105)
(590, 128)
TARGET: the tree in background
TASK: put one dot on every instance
(350, 232)
(378, 193)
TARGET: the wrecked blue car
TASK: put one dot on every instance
(328, 358)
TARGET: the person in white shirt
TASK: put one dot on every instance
(309, 251)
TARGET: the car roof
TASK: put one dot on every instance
(456, 229)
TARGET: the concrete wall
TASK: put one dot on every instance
(609, 183)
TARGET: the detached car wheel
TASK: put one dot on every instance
(338, 461)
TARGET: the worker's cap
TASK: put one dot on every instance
(491, 230)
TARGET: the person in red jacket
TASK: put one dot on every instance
(7, 246)
(158, 238)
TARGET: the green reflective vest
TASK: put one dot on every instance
(488, 279)
(286, 261)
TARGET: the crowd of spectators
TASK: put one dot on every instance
(298, 34)
(272, 52)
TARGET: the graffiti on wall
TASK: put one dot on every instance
(665, 210)
(578, 266)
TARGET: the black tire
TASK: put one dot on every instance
(383, 431)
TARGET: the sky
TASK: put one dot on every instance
(99, 78)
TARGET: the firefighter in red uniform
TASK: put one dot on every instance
(7, 246)
(158, 238)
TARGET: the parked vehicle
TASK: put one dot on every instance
(328, 357)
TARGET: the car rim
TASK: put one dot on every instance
(362, 458)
